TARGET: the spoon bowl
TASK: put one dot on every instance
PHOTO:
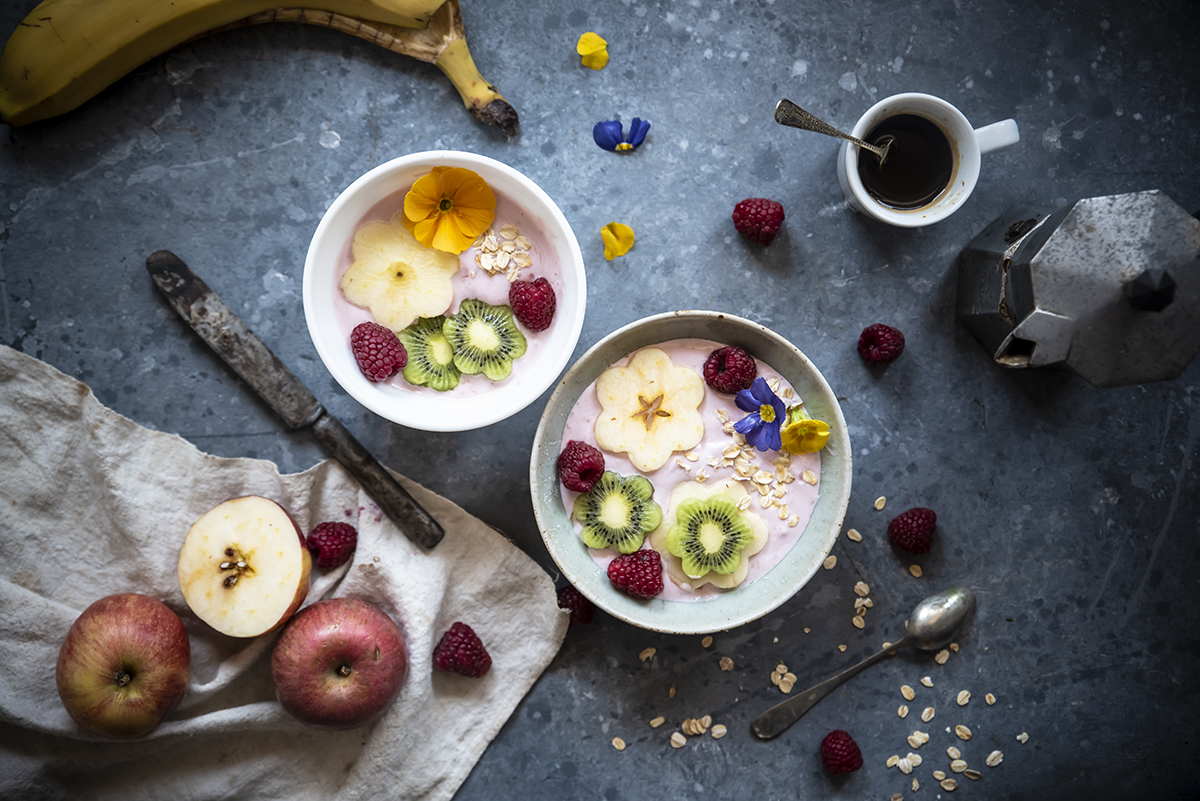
(932, 624)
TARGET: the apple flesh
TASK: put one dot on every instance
(124, 666)
(339, 664)
(244, 566)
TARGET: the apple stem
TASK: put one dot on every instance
(123, 678)
(344, 670)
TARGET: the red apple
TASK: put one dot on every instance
(124, 666)
(339, 664)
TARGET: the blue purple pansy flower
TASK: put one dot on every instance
(610, 136)
(767, 413)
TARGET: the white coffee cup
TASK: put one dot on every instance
(966, 144)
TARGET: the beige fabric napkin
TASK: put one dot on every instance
(92, 504)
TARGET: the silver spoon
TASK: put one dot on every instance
(788, 113)
(931, 626)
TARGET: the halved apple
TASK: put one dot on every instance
(244, 566)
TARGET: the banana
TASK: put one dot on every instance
(67, 51)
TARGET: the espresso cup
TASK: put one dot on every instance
(966, 145)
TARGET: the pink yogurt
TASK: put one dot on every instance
(800, 497)
(470, 282)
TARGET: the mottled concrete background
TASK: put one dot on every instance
(1073, 511)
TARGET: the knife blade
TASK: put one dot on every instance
(253, 361)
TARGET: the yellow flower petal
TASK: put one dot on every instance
(618, 239)
(593, 49)
(422, 199)
(804, 436)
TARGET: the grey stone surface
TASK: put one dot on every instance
(1071, 510)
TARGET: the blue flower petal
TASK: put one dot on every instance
(607, 134)
(760, 437)
(746, 401)
(761, 392)
(637, 131)
(770, 438)
(748, 423)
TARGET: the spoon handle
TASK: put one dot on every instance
(779, 717)
(788, 113)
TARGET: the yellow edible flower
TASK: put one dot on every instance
(618, 239)
(448, 208)
(802, 434)
(594, 50)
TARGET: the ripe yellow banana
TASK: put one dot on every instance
(67, 51)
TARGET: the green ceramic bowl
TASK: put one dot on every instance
(749, 601)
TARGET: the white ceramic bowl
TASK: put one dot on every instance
(428, 410)
(748, 601)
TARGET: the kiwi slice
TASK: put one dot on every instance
(485, 339)
(617, 512)
(430, 355)
(708, 535)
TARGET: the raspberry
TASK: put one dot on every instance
(581, 608)
(638, 573)
(912, 531)
(880, 344)
(332, 543)
(840, 753)
(580, 466)
(533, 303)
(758, 218)
(378, 351)
(460, 651)
(730, 370)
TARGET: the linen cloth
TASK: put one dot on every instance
(93, 504)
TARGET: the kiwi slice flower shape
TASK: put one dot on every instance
(767, 413)
(709, 535)
(618, 512)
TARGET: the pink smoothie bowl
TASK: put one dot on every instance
(424, 409)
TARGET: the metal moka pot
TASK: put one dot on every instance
(1108, 286)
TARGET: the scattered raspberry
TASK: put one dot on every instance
(638, 573)
(730, 370)
(378, 351)
(581, 608)
(533, 303)
(912, 531)
(758, 218)
(460, 651)
(332, 543)
(840, 753)
(880, 344)
(580, 466)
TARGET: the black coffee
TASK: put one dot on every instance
(918, 166)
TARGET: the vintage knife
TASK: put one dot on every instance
(251, 359)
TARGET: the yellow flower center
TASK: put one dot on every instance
(624, 146)
(445, 204)
(767, 413)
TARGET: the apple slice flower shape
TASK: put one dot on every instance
(649, 409)
(397, 277)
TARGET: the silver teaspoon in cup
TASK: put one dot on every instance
(931, 626)
(788, 113)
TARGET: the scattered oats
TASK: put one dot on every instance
(902, 711)
(994, 759)
(861, 611)
(784, 512)
(860, 603)
(807, 629)
(954, 647)
(991, 699)
(887, 645)
(942, 656)
(939, 774)
(858, 621)
(928, 682)
(972, 774)
(647, 654)
(914, 759)
(509, 248)
(788, 477)
(731, 452)
(905, 766)
(958, 765)
(764, 502)
(897, 796)
(686, 726)
(502, 260)
(692, 456)
(862, 589)
(718, 731)
(743, 503)
(510, 231)
(964, 697)
(953, 752)
(963, 732)
(788, 393)
(892, 760)
(907, 692)
(829, 562)
(915, 570)
(916, 785)
(763, 477)
(490, 243)
(678, 740)
(523, 242)
(522, 259)
(658, 721)
(478, 243)
(927, 715)
(790, 677)
(919, 737)
(726, 663)
(1022, 738)
(714, 462)
(707, 641)
(880, 501)
(701, 475)
(781, 668)
(853, 535)
(949, 785)
(488, 263)
(809, 477)
(785, 686)
(913, 741)
(842, 648)
(679, 461)
(793, 521)
(671, 692)
(723, 415)
(776, 677)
